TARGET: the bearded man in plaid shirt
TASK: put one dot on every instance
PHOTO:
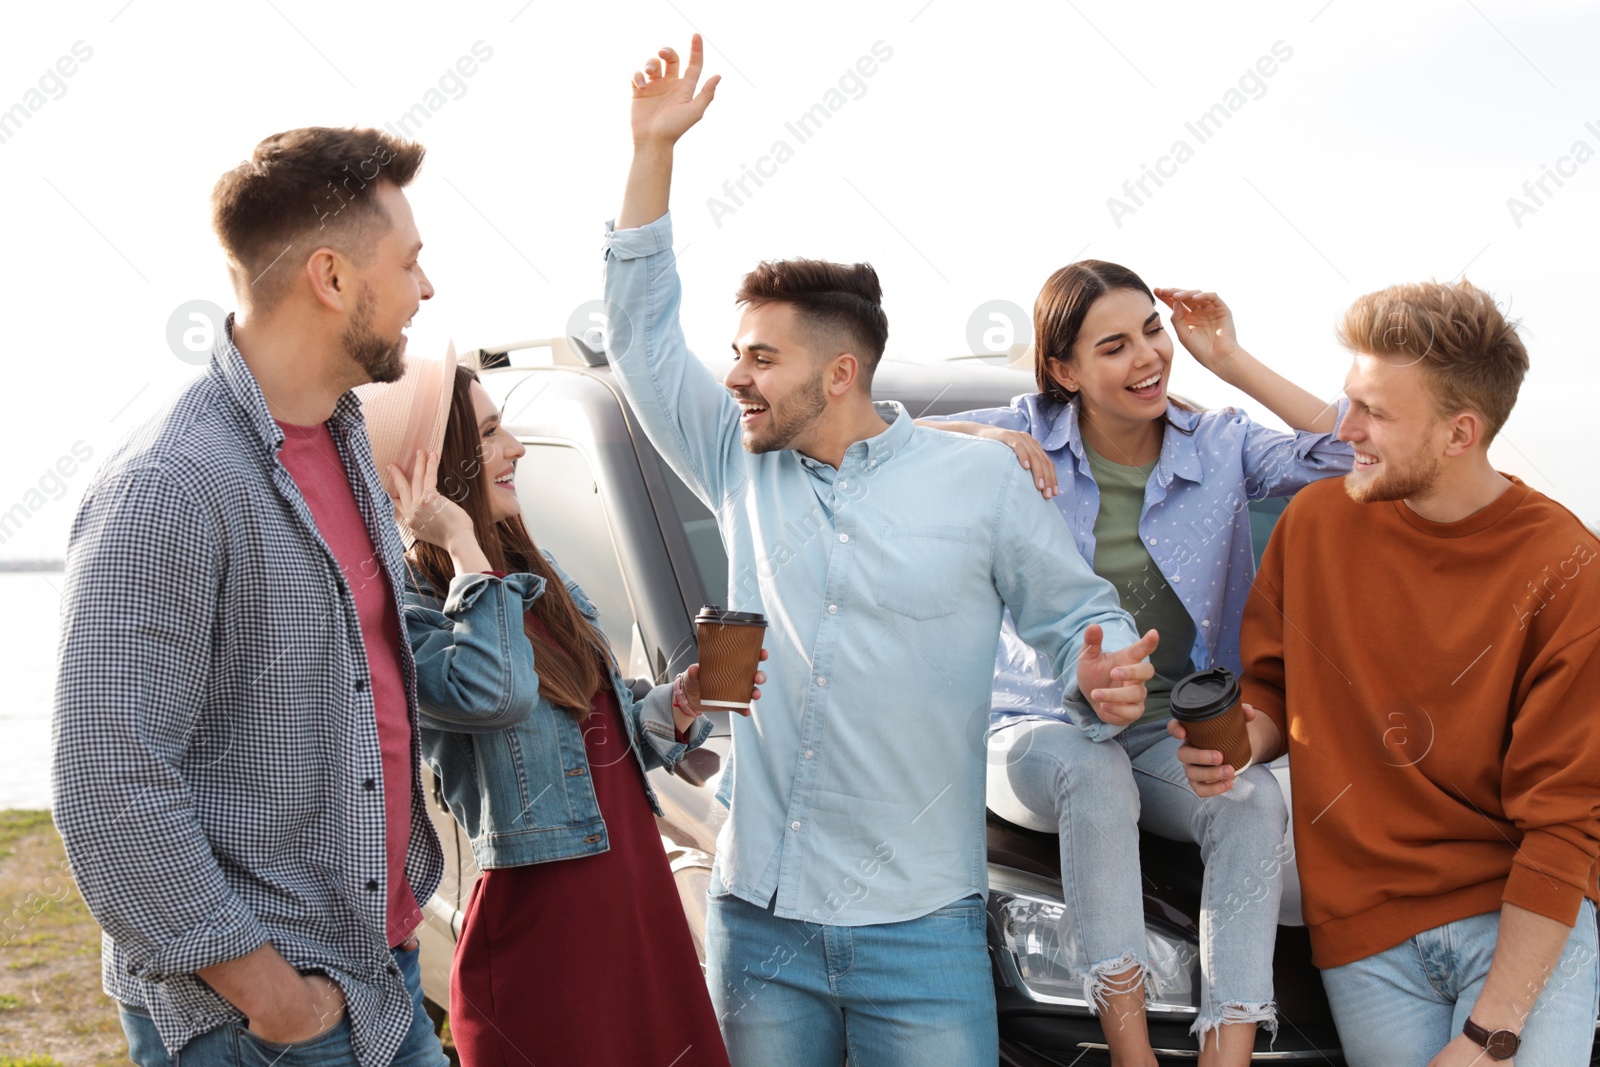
(236, 725)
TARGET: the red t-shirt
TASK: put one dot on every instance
(312, 460)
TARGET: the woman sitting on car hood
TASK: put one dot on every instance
(1156, 494)
(541, 750)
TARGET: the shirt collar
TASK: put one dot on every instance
(1056, 426)
(1180, 453)
(878, 448)
(227, 364)
(1054, 423)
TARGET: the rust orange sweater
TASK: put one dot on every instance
(1439, 687)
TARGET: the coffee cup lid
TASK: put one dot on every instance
(1203, 694)
(710, 613)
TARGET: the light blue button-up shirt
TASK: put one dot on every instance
(1195, 522)
(857, 787)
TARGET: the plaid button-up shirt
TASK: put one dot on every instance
(218, 781)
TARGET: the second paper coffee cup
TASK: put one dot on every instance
(1207, 703)
(730, 654)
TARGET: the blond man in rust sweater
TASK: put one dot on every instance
(1427, 638)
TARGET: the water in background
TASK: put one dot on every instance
(29, 628)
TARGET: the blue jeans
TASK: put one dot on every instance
(917, 993)
(1399, 1007)
(231, 1045)
(1050, 776)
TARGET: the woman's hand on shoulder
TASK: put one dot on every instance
(1204, 326)
(1030, 453)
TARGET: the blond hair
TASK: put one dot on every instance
(1455, 333)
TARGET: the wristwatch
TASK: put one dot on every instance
(1499, 1044)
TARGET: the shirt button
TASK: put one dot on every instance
(392, 969)
(822, 679)
(1205, 622)
(372, 885)
(1176, 579)
(1152, 540)
(794, 826)
(810, 753)
(361, 685)
(833, 609)
(369, 784)
(843, 484)
(844, 538)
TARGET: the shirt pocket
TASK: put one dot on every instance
(918, 569)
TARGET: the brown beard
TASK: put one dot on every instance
(808, 403)
(1416, 480)
(381, 360)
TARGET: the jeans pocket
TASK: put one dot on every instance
(967, 912)
(716, 888)
(331, 1048)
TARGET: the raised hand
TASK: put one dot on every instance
(1113, 682)
(422, 509)
(433, 517)
(665, 104)
(1203, 324)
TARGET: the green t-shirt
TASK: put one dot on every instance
(1121, 558)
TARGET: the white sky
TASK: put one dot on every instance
(978, 158)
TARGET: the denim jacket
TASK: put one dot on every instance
(512, 765)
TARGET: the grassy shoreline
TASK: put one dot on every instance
(52, 1011)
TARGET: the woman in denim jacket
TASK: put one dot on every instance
(1156, 494)
(541, 751)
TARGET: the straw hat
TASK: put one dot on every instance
(408, 415)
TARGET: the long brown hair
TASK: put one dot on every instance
(572, 661)
(1058, 317)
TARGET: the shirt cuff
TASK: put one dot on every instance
(1268, 703)
(1540, 873)
(660, 727)
(646, 240)
(1338, 419)
(467, 589)
(229, 934)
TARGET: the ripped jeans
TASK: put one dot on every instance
(1049, 776)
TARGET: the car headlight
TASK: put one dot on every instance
(1027, 912)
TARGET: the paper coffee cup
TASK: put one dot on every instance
(1207, 703)
(730, 654)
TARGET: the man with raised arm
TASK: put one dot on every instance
(846, 910)
(1427, 638)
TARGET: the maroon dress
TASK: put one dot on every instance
(586, 961)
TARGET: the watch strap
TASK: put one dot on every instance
(1499, 1044)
